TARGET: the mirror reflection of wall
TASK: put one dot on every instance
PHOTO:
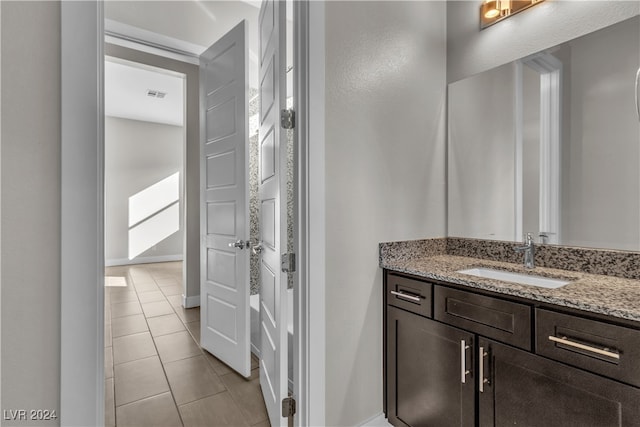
(530, 151)
(496, 188)
(481, 154)
(601, 154)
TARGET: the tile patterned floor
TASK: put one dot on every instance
(156, 373)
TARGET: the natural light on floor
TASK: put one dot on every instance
(154, 214)
(115, 281)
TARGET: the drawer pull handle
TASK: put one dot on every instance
(463, 361)
(407, 296)
(566, 341)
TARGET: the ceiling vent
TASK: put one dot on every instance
(156, 93)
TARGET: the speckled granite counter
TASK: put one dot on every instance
(608, 295)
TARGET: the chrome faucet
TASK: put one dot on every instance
(529, 251)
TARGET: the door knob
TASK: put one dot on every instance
(257, 248)
(240, 244)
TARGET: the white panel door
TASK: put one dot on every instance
(224, 202)
(273, 212)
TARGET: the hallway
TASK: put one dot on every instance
(156, 374)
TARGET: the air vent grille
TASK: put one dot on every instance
(156, 93)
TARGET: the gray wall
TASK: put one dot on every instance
(191, 156)
(30, 199)
(470, 51)
(137, 155)
(385, 180)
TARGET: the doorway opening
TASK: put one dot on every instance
(144, 163)
(150, 281)
(82, 338)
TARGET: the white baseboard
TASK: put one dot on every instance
(190, 302)
(255, 350)
(378, 421)
(142, 260)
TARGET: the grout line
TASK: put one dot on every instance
(143, 398)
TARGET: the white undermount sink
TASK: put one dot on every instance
(508, 276)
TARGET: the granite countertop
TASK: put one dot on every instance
(608, 295)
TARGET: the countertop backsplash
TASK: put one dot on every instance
(602, 281)
(625, 264)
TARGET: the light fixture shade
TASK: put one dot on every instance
(489, 10)
(505, 7)
(492, 11)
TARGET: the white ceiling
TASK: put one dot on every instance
(198, 22)
(126, 86)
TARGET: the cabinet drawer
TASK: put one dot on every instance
(495, 318)
(609, 350)
(411, 295)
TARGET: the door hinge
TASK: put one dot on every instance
(288, 407)
(288, 119)
(288, 262)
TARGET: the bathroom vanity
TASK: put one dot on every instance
(466, 351)
(549, 144)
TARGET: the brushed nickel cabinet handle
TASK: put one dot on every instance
(567, 341)
(407, 296)
(463, 361)
(482, 380)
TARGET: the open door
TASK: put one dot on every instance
(273, 209)
(224, 201)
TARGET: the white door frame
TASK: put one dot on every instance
(309, 312)
(82, 221)
(550, 70)
(82, 235)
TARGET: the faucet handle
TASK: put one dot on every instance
(528, 238)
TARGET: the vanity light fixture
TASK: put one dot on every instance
(492, 11)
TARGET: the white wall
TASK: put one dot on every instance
(30, 198)
(137, 155)
(385, 163)
(470, 51)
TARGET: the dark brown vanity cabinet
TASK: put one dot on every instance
(479, 360)
(428, 384)
(523, 389)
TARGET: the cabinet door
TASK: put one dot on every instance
(430, 378)
(524, 389)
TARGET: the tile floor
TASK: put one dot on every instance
(156, 373)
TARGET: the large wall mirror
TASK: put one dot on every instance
(550, 144)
